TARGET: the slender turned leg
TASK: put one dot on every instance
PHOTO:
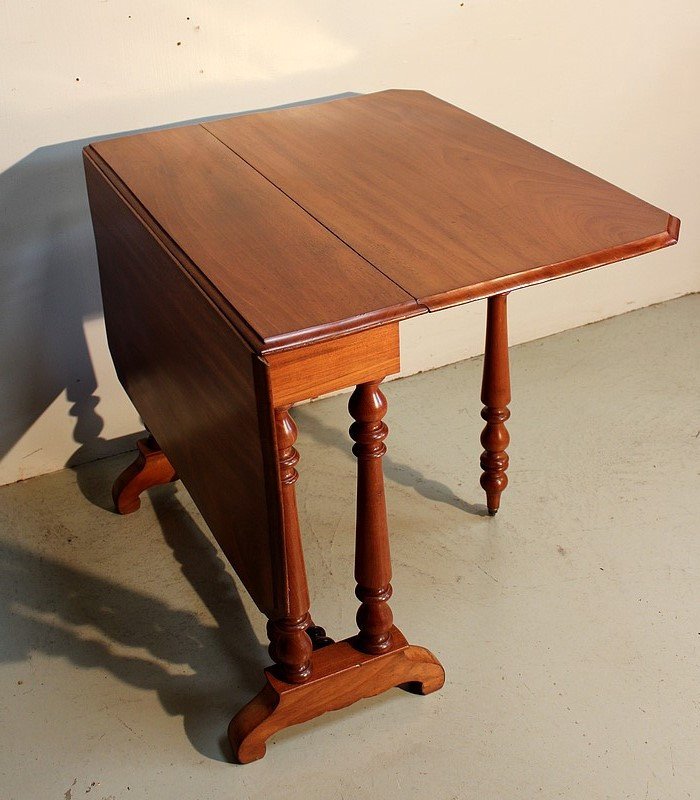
(379, 658)
(151, 468)
(367, 407)
(495, 394)
(290, 643)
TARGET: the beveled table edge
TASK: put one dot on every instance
(535, 275)
(277, 342)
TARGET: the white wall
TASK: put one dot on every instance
(612, 86)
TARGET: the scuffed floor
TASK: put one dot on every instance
(569, 625)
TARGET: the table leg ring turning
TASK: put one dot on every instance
(495, 394)
(313, 674)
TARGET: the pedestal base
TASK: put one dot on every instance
(341, 675)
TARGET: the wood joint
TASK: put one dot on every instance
(308, 372)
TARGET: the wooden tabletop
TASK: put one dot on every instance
(308, 222)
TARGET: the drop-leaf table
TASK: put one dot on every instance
(254, 262)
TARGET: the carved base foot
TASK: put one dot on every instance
(340, 676)
(151, 468)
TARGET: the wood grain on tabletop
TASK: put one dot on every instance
(283, 272)
(447, 205)
(199, 388)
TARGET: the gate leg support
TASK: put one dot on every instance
(495, 395)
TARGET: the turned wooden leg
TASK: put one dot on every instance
(495, 394)
(151, 468)
(290, 643)
(367, 407)
(342, 676)
(318, 636)
(375, 660)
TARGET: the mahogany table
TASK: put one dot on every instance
(254, 262)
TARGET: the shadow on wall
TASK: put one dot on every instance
(49, 285)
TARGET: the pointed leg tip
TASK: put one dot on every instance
(492, 512)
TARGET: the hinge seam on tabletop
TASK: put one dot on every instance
(315, 218)
(236, 320)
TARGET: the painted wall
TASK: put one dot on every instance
(612, 86)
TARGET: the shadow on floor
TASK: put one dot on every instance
(393, 470)
(49, 602)
(94, 485)
(98, 492)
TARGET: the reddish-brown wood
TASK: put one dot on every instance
(151, 468)
(199, 388)
(342, 674)
(241, 238)
(250, 263)
(421, 206)
(447, 205)
(495, 394)
(290, 644)
(367, 407)
(325, 366)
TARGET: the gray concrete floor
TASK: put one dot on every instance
(569, 625)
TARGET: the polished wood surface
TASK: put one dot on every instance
(316, 369)
(447, 205)
(151, 468)
(285, 277)
(342, 675)
(290, 644)
(495, 395)
(207, 395)
(199, 388)
(367, 406)
(306, 223)
(256, 262)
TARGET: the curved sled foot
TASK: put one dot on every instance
(151, 468)
(340, 675)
